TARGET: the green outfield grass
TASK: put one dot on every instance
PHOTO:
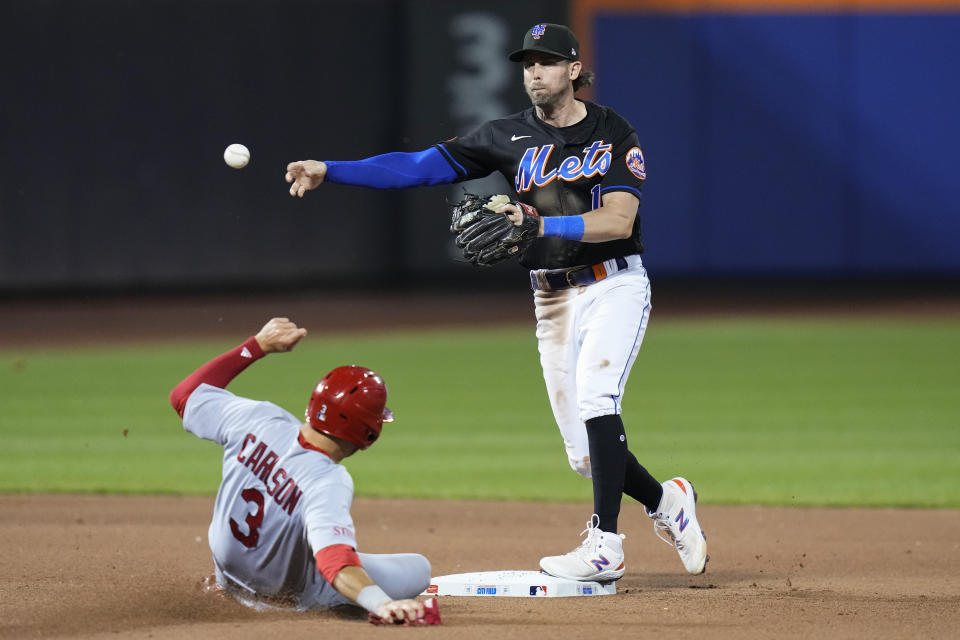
(766, 411)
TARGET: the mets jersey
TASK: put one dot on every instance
(560, 171)
(279, 502)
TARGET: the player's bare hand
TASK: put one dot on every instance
(279, 335)
(513, 212)
(398, 612)
(523, 215)
(304, 175)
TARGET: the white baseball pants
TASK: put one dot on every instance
(588, 339)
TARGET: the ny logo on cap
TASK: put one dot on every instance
(538, 30)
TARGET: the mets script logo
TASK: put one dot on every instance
(538, 30)
(635, 163)
(533, 165)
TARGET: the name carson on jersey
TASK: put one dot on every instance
(561, 171)
(260, 462)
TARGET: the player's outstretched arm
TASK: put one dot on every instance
(395, 170)
(305, 175)
(278, 335)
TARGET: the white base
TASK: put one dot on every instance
(515, 584)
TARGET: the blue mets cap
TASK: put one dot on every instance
(555, 39)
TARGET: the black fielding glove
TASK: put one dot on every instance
(487, 237)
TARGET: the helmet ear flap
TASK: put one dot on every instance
(350, 403)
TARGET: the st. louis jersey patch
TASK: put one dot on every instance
(634, 161)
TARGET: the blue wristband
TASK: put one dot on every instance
(566, 227)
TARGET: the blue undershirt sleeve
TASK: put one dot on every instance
(393, 170)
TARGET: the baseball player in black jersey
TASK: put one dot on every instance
(578, 171)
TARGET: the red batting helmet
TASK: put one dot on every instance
(350, 403)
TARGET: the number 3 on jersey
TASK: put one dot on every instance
(253, 520)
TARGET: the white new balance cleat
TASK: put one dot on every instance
(675, 522)
(599, 557)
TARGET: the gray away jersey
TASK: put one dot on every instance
(278, 503)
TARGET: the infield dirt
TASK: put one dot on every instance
(134, 567)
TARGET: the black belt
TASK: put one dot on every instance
(553, 279)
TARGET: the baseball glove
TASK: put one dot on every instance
(487, 237)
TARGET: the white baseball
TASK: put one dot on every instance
(236, 155)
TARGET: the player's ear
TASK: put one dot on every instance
(574, 69)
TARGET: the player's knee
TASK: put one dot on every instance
(401, 575)
(421, 573)
(416, 576)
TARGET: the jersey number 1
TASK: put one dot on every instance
(595, 197)
(253, 520)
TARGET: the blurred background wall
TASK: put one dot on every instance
(782, 138)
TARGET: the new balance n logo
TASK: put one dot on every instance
(600, 562)
(683, 521)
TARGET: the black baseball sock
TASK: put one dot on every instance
(608, 459)
(640, 485)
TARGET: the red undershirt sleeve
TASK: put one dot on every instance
(218, 372)
(330, 560)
